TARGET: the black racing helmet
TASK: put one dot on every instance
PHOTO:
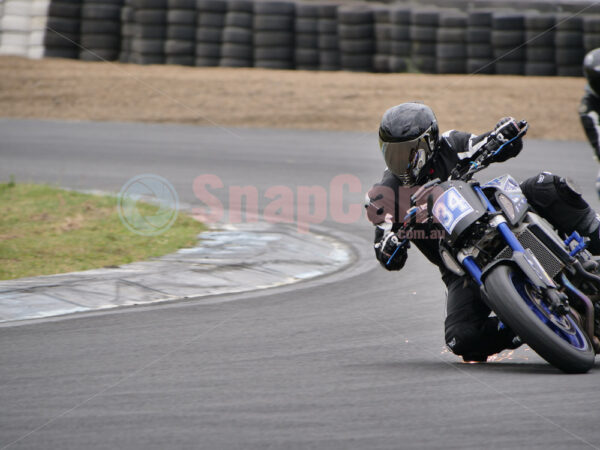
(591, 70)
(408, 135)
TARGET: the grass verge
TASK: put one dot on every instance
(45, 230)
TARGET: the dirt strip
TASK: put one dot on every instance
(67, 89)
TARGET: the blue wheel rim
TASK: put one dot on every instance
(563, 326)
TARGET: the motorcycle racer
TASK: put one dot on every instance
(414, 154)
(589, 108)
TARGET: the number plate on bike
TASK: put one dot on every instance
(450, 208)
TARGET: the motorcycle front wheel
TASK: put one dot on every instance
(557, 338)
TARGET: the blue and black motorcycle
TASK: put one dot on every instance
(540, 284)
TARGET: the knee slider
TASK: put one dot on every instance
(539, 190)
(570, 192)
(572, 202)
(559, 201)
(462, 340)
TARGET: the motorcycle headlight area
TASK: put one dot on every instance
(451, 263)
(507, 206)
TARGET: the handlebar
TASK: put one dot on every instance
(410, 219)
(481, 162)
(413, 198)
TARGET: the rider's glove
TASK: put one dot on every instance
(389, 251)
(506, 129)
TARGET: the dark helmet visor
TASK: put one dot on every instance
(400, 157)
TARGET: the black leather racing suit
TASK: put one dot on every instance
(468, 328)
(589, 113)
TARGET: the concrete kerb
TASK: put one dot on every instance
(233, 259)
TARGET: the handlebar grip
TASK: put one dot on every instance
(413, 198)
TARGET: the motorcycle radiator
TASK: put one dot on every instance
(551, 263)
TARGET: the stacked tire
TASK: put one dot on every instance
(400, 39)
(39, 18)
(329, 48)
(149, 31)
(480, 52)
(569, 46)
(100, 30)
(180, 44)
(127, 31)
(63, 29)
(591, 32)
(209, 31)
(238, 37)
(356, 31)
(307, 36)
(15, 25)
(383, 40)
(540, 50)
(508, 39)
(423, 36)
(452, 43)
(274, 45)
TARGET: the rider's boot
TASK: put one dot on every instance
(596, 344)
(595, 341)
(509, 341)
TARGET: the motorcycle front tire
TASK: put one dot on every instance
(558, 339)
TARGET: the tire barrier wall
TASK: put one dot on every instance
(22, 27)
(452, 43)
(329, 43)
(400, 44)
(238, 35)
(149, 28)
(306, 26)
(423, 36)
(280, 34)
(480, 51)
(568, 40)
(540, 33)
(180, 33)
(383, 40)
(274, 36)
(508, 43)
(100, 32)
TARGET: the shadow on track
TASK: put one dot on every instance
(440, 367)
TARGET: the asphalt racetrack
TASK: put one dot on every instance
(344, 362)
